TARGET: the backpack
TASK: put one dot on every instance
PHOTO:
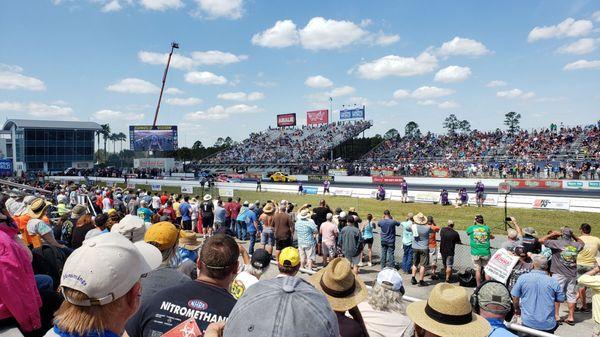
(467, 278)
(50, 261)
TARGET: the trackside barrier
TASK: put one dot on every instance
(512, 326)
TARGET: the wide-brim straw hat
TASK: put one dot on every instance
(342, 288)
(207, 197)
(189, 240)
(448, 313)
(420, 219)
(269, 209)
(304, 214)
(37, 208)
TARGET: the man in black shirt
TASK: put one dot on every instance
(207, 213)
(320, 216)
(195, 304)
(449, 238)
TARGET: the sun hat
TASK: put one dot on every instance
(289, 257)
(304, 214)
(78, 210)
(189, 240)
(132, 227)
(448, 313)
(342, 288)
(351, 209)
(390, 279)
(269, 209)
(207, 197)
(494, 297)
(260, 259)
(164, 233)
(15, 208)
(530, 231)
(283, 302)
(420, 219)
(37, 208)
(106, 267)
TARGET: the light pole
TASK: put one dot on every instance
(331, 121)
(174, 45)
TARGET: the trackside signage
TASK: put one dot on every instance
(551, 204)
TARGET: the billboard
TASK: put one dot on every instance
(147, 138)
(286, 120)
(317, 117)
(6, 167)
(352, 113)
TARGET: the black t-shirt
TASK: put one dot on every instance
(167, 309)
(320, 215)
(449, 238)
(206, 209)
(531, 244)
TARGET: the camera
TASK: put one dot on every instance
(507, 219)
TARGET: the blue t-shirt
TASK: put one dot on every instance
(145, 214)
(184, 209)
(250, 220)
(499, 329)
(538, 292)
(422, 241)
(407, 236)
(388, 230)
(368, 231)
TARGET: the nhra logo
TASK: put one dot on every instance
(197, 304)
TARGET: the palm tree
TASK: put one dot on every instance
(105, 132)
(113, 138)
(121, 138)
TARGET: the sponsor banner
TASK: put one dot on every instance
(441, 172)
(382, 172)
(352, 113)
(165, 164)
(6, 167)
(313, 178)
(130, 186)
(310, 190)
(427, 197)
(501, 265)
(535, 183)
(317, 117)
(551, 204)
(155, 187)
(286, 120)
(338, 172)
(387, 180)
(226, 192)
(490, 200)
(187, 189)
(573, 184)
(593, 184)
(342, 192)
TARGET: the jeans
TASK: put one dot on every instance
(387, 254)
(252, 242)
(407, 258)
(44, 282)
(241, 230)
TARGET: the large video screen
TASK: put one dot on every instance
(148, 138)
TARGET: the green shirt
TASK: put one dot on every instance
(479, 236)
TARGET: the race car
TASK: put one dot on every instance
(282, 177)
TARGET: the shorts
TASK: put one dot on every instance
(479, 195)
(328, 251)
(404, 193)
(207, 221)
(448, 261)
(433, 256)
(354, 261)
(583, 269)
(568, 286)
(326, 190)
(420, 257)
(267, 237)
(480, 261)
(280, 244)
(368, 241)
(186, 224)
(307, 253)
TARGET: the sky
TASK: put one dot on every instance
(240, 62)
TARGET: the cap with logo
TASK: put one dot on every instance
(494, 297)
(289, 257)
(260, 259)
(390, 279)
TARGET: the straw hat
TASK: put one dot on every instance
(189, 240)
(207, 197)
(37, 208)
(343, 290)
(304, 214)
(420, 219)
(448, 313)
(268, 209)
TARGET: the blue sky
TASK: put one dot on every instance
(242, 62)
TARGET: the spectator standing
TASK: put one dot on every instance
(207, 214)
(565, 246)
(329, 232)
(177, 211)
(433, 249)
(82, 227)
(241, 226)
(591, 280)
(284, 230)
(420, 246)
(288, 262)
(235, 208)
(480, 193)
(194, 211)
(407, 240)
(167, 213)
(132, 205)
(144, 212)
(530, 242)
(228, 207)
(404, 189)
(534, 296)
(267, 237)
(319, 216)
(366, 229)
(186, 213)
(156, 202)
(251, 224)
(251, 271)
(479, 235)
(388, 239)
(350, 241)
(306, 230)
(492, 301)
(220, 215)
(449, 238)
(586, 260)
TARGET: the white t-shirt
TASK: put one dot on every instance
(385, 324)
(156, 202)
(241, 283)
(106, 206)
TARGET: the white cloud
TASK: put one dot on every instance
(11, 78)
(448, 105)
(583, 64)
(452, 74)
(174, 91)
(568, 28)
(393, 65)
(111, 115)
(495, 83)
(231, 9)
(385, 40)
(318, 81)
(205, 78)
(133, 86)
(211, 57)
(241, 96)
(219, 112)
(463, 46)
(427, 92)
(112, 6)
(596, 16)
(282, 34)
(427, 102)
(388, 104)
(40, 110)
(357, 100)
(515, 93)
(401, 93)
(161, 5)
(579, 47)
(320, 33)
(177, 61)
(342, 91)
(184, 101)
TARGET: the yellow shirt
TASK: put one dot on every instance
(587, 256)
(176, 208)
(592, 282)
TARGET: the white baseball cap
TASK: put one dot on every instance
(390, 279)
(132, 227)
(106, 267)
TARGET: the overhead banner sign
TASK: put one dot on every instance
(286, 120)
(535, 183)
(551, 204)
(317, 117)
(352, 113)
(501, 265)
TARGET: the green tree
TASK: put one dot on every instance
(464, 126)
(105, 132)
(391, 133)
(412, 130)
(512, 120)
(121, 137)
(197, 145)
(451, 123)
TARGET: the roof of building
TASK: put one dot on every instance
(46, 124)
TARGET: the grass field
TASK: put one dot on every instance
(541, 220)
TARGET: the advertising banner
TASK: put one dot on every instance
(130, 186)
(156, 187)
(310, 190)
(427, 197)
(581, 184)
(390, 180)
(6, 167)
(342, 192)
(165, 164)
(286, 120)
(338, 172)
(187, 189)
(313, 178)
(317, 117)
(535, 183)
(551, 204)
(490, 200)
(157, 138)
(501, 265)
(441, 172)
(593, 184)
(352, 113)
(382, 172)
(226, 192)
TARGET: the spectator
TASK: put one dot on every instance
(433, 249)
(530, 242)
(164, 236)
(350, 241)
(534, 296)
(196, 302)
(366, 229)
(523, 266)
(306, 231)
(447, 313)
(492, 301)
(565, 246)
(155, 202)
(220, 214)
(131, 227)
(586, 260)
(267, 237)
(82, 227)
(185, 209)
(176, 205)
(241, 224)
(329, 233)
(100, 223)
(284, 230)
(187, 253)
(109, 293)
(388, 239)
(36, 226)
(288, 262)
(407, 241)
(167, 213)
(449, 238)
(251, 223)
(479, 234)
(384, 313)
(251, 271)
(591, 280)
(344, 291)
(144, 212)
(319, 216)
(420, 246)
